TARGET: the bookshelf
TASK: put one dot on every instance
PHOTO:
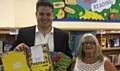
(106, 33)
(112, 51)
(7, 34)
(7, 37)
(111, 46)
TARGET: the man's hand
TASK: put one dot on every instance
(21, 47)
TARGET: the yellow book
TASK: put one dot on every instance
(45, 65)
(15, 61)
(104, 43)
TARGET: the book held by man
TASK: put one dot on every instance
(39, 58)
(60, 60)
(14, 61)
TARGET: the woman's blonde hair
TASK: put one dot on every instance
(88, 37)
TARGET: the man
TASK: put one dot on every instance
(43, 32)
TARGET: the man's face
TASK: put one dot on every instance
(44, 16)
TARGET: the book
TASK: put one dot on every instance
(55, 56)
(60, 60)
(116, 42)
(110, 42)
(41, 61)
(14, 61)
(1, 47)
(104, 40)
(7, 45)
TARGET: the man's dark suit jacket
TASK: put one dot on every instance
(27, 36)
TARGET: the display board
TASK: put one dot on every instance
(87, 10)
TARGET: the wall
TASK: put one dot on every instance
(25, 13)
(21, 13)
(87, 25)
(7, 14)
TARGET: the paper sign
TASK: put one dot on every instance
(13, 32)
(37, 53)
(17, 65)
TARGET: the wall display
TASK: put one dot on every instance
(87, 10)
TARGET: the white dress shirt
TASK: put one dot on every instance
(41, 39)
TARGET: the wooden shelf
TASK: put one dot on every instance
(6, 30)
(117, 66)
(111, 49)
(109, 32)
(113, 32)
(114, 50)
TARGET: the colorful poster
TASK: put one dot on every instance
(87, 10)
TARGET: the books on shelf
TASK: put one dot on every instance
(104, 40)
(115, 58)
(60, 60)
(1, 47)
(113, 42)
(116, 42)
(7, 45)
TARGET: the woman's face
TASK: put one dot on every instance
(88, 47)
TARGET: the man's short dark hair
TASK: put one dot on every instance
(44, 3)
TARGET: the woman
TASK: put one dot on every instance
(90, 57)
